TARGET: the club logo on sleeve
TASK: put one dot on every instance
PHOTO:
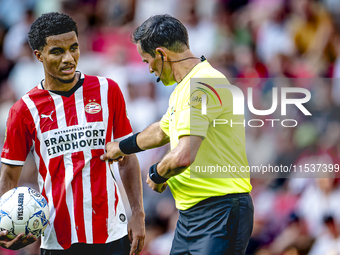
(93, 108)
(122, 217)
(196, 98)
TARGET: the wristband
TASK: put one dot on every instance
(129, 145)
(154, 176)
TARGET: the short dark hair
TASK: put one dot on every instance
(48, 24)
(161, 30)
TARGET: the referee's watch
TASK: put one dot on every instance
(154, 175)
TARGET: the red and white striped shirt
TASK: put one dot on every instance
(68, 135)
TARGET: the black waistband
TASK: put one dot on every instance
(214, 199)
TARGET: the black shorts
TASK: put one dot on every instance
(215, 226)
(118, 247)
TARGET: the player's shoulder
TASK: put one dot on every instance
(20, 106)
(111, 83)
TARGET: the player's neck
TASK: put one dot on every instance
(181, 69)
(52, 83)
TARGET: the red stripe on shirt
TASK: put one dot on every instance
(62, 221)
(116, 198)
(78, 161)
(121, 124)
(70, 110)
(46, 110)
(100, 210)
(92, 99)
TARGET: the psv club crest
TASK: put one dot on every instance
(93, 108)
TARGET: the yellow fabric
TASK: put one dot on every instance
(222, 145)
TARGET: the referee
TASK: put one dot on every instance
(216, 214)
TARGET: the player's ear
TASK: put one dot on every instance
(38, 55)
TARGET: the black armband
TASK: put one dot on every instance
(154, 176)
(129, 145)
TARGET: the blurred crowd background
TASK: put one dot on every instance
(269, 40)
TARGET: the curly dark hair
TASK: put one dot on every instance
(48, 24)
(161, 30)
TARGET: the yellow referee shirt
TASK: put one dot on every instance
(223, 148)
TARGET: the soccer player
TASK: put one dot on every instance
(67, 120)
(216, 214)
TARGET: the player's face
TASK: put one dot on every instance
(155, 66)
(60, 56)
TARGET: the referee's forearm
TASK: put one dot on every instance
(172, 164)
(180, 158)
(152, 137)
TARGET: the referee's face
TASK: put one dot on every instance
(156, 66)
(60, 56)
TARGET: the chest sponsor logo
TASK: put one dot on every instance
(74, 139)
(93, 108)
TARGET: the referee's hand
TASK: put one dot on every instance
(156, 187)
(113, 152)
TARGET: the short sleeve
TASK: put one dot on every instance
(121, 123)
(191, 120)
(164, 123)
(18, 140)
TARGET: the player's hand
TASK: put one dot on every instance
(156, 187)
(113, 153)
(136, 232)
(17, 243)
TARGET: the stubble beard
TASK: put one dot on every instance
(67, 81)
